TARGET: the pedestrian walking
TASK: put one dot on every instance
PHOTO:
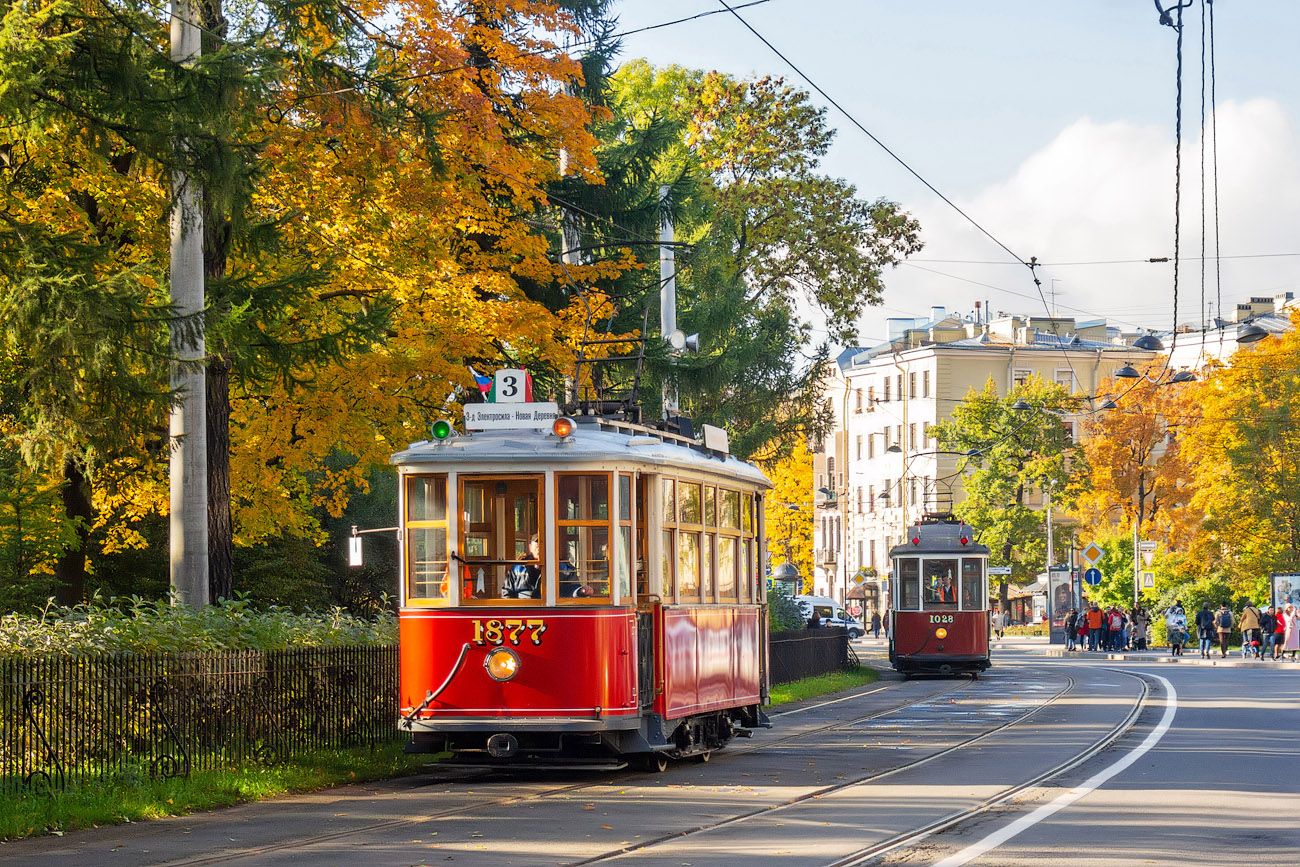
(1205, 629)
(1141, 622)
(1071, 628)
(1115, 625)
(1223, 625)
(1249, 626)
(999, 623)
(1292, 640)
(1267, 629)
(1176, 627)
(875, 624)
(1094, 619)
(1279, 632)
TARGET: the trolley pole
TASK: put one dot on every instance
(188, 468)
(667, 293)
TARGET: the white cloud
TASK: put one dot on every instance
(1104, 191)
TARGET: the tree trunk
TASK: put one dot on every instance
(221, 575)
(70, 568)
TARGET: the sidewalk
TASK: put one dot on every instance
(1039, 644)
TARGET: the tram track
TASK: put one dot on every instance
(507, 801)
(869, 854)
(838, 787)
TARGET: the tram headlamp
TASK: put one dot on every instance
(502, 663)
(562, 426)
(442, 429)
(941, 633)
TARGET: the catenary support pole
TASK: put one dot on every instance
(667, 293)
(188, 431)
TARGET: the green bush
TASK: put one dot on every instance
(141, 626)
(782, 614)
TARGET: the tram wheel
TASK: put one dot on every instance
(703, 758)
(654, 763)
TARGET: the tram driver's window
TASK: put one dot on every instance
(426, 540)
(972, 584)
(909, 585)
(940, 581)
(583, 523)
(502, 552)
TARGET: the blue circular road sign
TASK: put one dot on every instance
(1092, 576)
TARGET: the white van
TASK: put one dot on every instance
(830, 612)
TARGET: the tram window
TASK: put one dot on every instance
(667, 563)
(499, 531)
(706, 567)
(584, 536)
(941, 583)
(710, 506)
(729, 507)
(909, 584)
(584, 563)
(670, 501)
(727, 568)
(689, 503)
(623, 567)
(747, 513)
(972, 584)
(642, 565)
(688, 565)
(747, 576)
(426, 540)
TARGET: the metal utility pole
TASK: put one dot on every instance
(667, 293)
(188, 429)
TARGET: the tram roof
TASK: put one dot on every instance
(591, 442)
(940, 538)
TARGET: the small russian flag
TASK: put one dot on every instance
(484, 383)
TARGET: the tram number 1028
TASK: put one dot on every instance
(941, 618)
(501, 631)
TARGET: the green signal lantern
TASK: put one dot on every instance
(442, 429)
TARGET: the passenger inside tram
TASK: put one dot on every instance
(940, 589)
(524, 580)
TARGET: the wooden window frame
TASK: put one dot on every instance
(609, 524)
(408, 550)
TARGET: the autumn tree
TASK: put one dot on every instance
(788, 510)
(1014, 445)
(1245, 436)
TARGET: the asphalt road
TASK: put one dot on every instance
(1181, 764)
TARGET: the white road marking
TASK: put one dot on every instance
(825, 703)
(997, 838)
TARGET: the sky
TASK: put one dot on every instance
(1051, 124)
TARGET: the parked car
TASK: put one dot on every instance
(830, 612)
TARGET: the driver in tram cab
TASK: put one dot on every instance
(524, 580)
(944, 591)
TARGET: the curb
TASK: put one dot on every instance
(1186, 659)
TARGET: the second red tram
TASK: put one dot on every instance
(940, 616)
(580, 595)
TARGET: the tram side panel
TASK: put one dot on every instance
(930, 640)
(710, 660)
(572, 664)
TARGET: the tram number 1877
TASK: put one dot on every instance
(941, 618)
(501, 631)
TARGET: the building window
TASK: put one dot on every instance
(871, 394)
(859, 447)
(871, 553)
(860, 498)
(871, 447)
(1020, 376)
(871, 498)
(898, 435)
(830, 469)
(925, 383)
(857, 407)
(1065, 379)
(900, 386)
(925, 433)
(911, 437)
(911, 385)
(885, 399)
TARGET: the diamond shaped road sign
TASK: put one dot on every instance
(1093, 552)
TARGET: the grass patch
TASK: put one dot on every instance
(133, 796)
(822, 684)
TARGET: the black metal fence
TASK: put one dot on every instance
(67, 720)
(809, 652)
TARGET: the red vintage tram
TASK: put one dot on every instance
(940, 618)
(579, 593)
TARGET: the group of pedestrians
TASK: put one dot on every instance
(1108, 630)
(1265, 634)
